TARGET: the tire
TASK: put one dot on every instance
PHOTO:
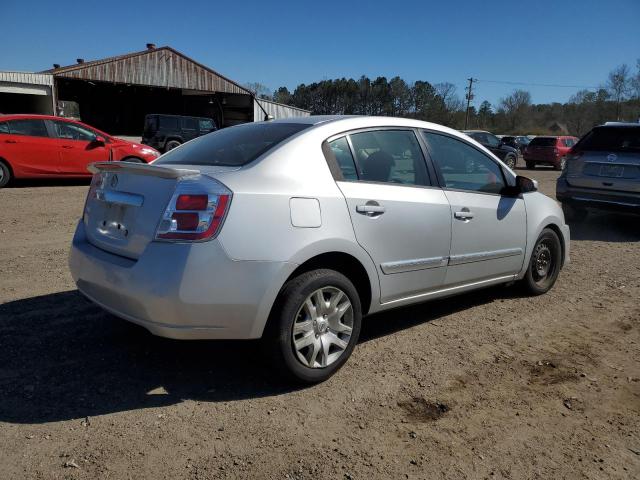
(544, 264)
(171, 144)
(309, 354)
(531, 165)
(560, 164)
(5, 174)
(510, 161)
(574, 214)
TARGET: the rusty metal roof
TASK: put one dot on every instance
(158, 67)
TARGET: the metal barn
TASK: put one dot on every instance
(114, 94)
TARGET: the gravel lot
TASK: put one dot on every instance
(489, 385)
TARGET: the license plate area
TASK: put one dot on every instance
(113, 223)
(611, 171)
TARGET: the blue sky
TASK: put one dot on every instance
(290, 42)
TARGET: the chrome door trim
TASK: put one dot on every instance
(452, 290)
(481, 256)
(402, 266)
(120, 198)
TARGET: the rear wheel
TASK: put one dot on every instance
(574, 214)
(545, 263)
(315, 325)
(5, 174)
(171, 144)
(133, 160)
(531, 165)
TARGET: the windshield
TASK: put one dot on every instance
(233, 146)
(612, 139)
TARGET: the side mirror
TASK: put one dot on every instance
(523, 185)
(99, 140)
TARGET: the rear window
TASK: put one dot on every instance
(31, 128)
(543, 142)
(4, 128)
(232, 147)
(612, 139)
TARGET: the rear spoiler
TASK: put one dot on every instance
(141, 169)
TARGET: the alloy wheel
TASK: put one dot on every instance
(322, 328)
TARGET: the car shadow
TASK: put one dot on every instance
(48, 182)
(61, 358)
(606, 227)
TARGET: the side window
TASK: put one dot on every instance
(390, 156)
(339, 157)
(189, 124)
(205, 125)
(70, 131)
(491, 140)
(463, 167)
(4, 128)
(168, 123)
(32, 128)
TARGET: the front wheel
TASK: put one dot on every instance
(315, 325)
(510, 161)
(171, 144)
(544, 264)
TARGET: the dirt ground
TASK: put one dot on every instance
(488, 385)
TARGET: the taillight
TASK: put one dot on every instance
(196, 211)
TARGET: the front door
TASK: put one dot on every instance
(402, 222)
(488, 230)
(78, 148)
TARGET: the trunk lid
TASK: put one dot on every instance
(126, 202)
(617, 171)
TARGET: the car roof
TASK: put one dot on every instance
(619, 124)
(9, 116)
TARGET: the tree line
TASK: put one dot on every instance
(617, 99)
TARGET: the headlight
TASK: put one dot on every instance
(150, 151)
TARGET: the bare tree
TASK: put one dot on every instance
(618, 85)
(259, 90)
(515, 106)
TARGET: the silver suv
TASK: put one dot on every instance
(602, 171)
(292, 230)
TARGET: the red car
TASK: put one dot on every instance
(548, 151)
(43, 146)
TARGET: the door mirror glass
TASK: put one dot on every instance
(525, 184)
(99, 140)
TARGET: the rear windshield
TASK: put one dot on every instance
(232, 147)
(543, 142)
(612, 139)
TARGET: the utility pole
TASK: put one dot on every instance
(469, 98)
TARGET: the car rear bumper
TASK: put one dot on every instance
(594, 198)
(180, 290)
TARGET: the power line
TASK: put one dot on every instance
(554, 85)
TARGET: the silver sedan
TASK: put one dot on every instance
(293, 230)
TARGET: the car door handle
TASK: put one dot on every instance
(464, 214)
(67, 146)
(10, 141)
(370, 210)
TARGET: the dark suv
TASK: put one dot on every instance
(504, 152)
(602, 171)
(165, 132)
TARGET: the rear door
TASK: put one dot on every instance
(77, 147)
(29, 148)
(399, 217)
(189, 128)
(488, 230)
(607, 158)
